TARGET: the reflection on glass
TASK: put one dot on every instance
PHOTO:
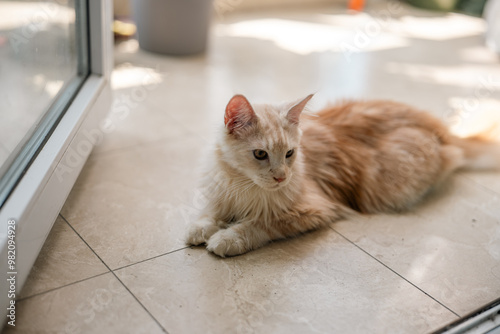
(41, 57)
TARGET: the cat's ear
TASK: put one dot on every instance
(239, 114)
(293, 115)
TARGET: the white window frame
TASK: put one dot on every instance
(39, 196)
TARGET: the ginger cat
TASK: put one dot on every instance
(276, 174)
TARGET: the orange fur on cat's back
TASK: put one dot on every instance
(377, 155)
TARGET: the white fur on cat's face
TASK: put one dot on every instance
(272, 132)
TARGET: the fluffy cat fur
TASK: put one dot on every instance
(273, 178)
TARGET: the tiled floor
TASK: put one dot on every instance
(115, 261)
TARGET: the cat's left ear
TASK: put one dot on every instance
(293, 115)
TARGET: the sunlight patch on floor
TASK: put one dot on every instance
(447, 27)
(304, 38)
(127, 76)
(460, 75)
(435, 28)
(475, 116)
(130, 46)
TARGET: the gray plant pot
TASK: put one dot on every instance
(175, 27)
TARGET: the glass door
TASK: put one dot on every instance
(43, 62)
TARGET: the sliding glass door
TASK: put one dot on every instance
(44, 59)
(56, 58)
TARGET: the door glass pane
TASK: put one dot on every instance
(43, 61)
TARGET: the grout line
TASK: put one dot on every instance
(114, 274)
(151, 258)
(395, 272)
(60, 287)
(137, 299)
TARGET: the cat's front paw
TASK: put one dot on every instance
(227, 243)
(200, 232)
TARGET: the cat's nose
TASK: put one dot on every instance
(279, 179)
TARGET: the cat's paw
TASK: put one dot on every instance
(226, 243)
(199, 232)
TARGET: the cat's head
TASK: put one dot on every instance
(262, 142)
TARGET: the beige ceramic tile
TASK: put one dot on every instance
(458, 191)
(132, 121)
(98, 305)
(449, 246)
(134, 204)
(167, 97)
(64, 259)
(193, 91)
(489, 180)
(317, 283)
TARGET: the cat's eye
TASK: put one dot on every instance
(290, 153)
(260, 154)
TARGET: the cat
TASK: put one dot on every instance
(278, 172)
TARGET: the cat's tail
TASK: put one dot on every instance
(480, 152)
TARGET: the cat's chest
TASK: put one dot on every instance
(252, 205)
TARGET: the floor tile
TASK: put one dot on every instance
(132, 120)
(98, 305)
(317, 283)
(487, 179)
(458, 191)
(449, 246)
(193, 91)
(135, 204)
(64, 259)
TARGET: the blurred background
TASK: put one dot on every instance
(445, 49)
